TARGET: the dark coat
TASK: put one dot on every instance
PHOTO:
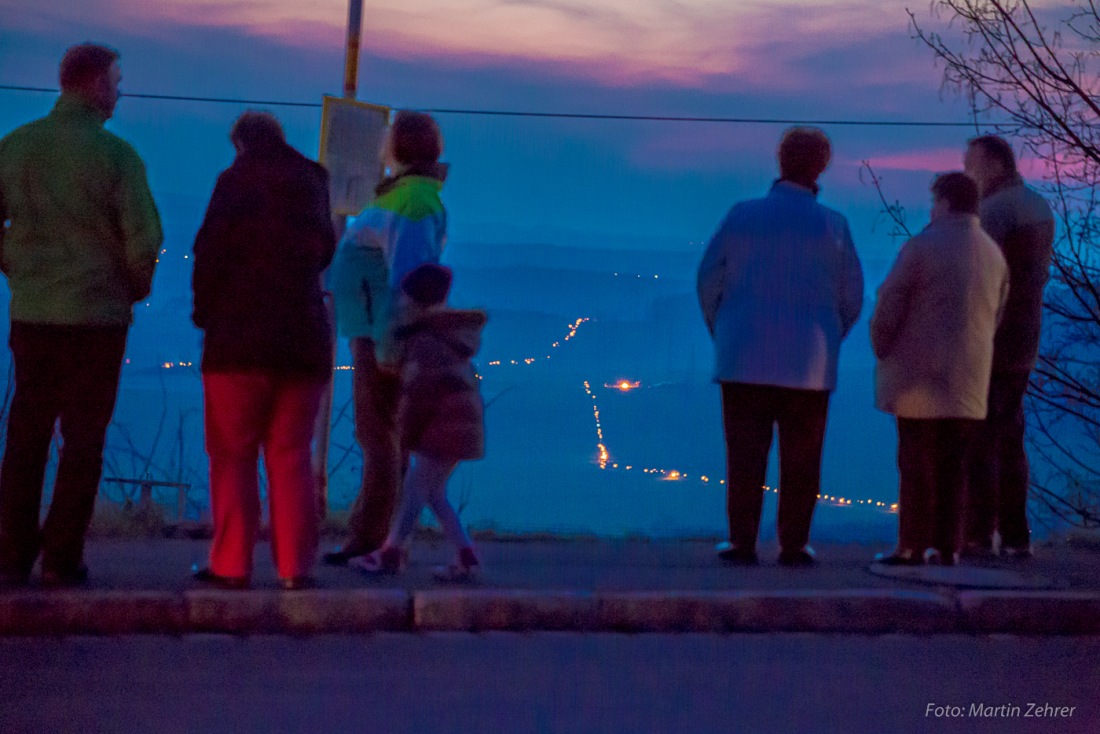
(259, 255)
(1020, 221)
(441, 413)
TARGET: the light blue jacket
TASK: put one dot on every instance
(780, 286)
(403, 228)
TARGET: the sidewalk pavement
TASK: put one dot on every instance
(144, 586)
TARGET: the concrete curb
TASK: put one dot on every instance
(301, 612)
(92, 612)
(481, 610)
(857, 611)
(320, 611)
(1039, 613)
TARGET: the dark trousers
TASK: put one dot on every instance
(749, 413)
(932, 460)
(998, 477)
(68, 374)
(375, 393)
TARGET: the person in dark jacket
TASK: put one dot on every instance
(267, 349)
(441, 415)
(79, 236)
(1020, 221)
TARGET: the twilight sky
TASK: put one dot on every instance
(566, 181)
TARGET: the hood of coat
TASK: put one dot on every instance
(436, 170)
(458, 329)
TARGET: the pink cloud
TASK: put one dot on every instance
(688, 43)
(940, 160)
(934, 161)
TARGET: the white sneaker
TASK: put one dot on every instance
(466, 568)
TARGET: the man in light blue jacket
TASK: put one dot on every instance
(780, 286)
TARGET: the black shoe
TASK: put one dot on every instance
(900, 557)
(976, 550)
(342, 556)
(233, 583)
(1016, 552)
(934, 557)
(386, 561)
(53, 579)
(736, 556)
(801, 557)
(297, 583)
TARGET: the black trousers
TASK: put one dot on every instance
(932, 460)
(999, 476)
(68, 374)
(375, 393)
(750, 413)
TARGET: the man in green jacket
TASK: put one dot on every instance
(78, 243)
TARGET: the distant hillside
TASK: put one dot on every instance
(572, 292)
(611, 257)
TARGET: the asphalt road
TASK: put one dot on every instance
(550, 682)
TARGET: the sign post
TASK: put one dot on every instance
(351, 150)
(351, 56)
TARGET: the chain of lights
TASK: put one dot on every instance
(572, 332)
(603, 458)
(602, 454)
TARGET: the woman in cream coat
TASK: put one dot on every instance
(932, 332)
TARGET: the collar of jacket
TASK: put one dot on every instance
(954, 218)
(275, 151)
(460, 329)
(785, 184)
(1004, 182)
(69, 105)
(437, 171)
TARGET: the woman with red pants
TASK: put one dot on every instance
(267, 348)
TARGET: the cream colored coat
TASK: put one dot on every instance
(935, 319)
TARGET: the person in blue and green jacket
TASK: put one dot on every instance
(402, 229)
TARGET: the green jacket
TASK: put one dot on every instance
(82, 232)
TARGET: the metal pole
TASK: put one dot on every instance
(323, 427)
(351, 59)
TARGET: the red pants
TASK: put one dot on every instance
(244, 413)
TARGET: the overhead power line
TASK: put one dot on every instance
(527, 113)
(177, 98)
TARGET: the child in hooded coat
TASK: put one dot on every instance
(441, 415)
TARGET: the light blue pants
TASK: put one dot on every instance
(426, 484)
